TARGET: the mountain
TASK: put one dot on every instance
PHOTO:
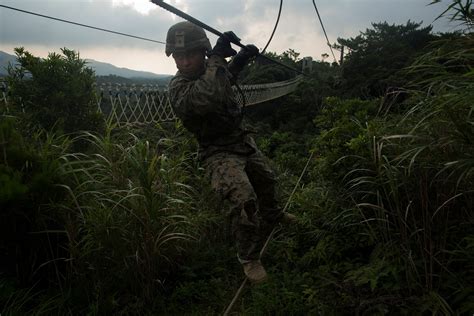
(105, 69)
(100, 68)
(5, 60)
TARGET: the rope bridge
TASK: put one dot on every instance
(143, 104)
(132, 104)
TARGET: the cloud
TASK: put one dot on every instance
(18, 26)
(142, 6)
(251, 20)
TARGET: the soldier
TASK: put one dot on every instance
(202, 97)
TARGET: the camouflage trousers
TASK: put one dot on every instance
(247, 183)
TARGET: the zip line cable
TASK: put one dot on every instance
(324, 30)
(274, 29)
(191, 19)
(80, 24)
(267, 242)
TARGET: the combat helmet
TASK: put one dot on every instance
(186, 36)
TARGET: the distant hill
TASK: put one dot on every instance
(105, 69)
(100, 68)
(114, 79)
(6, 59)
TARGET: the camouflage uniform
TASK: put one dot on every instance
(207, 106)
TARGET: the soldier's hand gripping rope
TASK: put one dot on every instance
(242, 58)
(223, 47)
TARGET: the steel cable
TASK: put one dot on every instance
(80, 24)
(324, 30)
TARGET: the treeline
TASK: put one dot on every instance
(99, 220)
(129, 81)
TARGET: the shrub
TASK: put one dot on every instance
(54, 93)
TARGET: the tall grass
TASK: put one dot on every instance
(131, 218)
(417, 196)
(126, 222)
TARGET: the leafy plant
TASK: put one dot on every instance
(30, 235)
(54, 93)
(461, 11)
(375, 56)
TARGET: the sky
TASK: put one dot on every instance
(252, 20)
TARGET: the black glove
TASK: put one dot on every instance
(222, 47)
(242, 58)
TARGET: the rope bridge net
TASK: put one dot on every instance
(132, 104)
(144, 104)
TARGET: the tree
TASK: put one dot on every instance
(291, 54)
(262, 70)
(56, 92)
(377, 54)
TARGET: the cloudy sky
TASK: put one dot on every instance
(251, 20)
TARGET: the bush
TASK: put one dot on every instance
(29, 171)
(407, 182)
(54, 93)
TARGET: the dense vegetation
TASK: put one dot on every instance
(98, 220)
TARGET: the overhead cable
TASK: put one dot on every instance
(324, 30)
(274, 28)
(83, 25)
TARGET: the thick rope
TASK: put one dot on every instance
(267, 242)
(274, 28)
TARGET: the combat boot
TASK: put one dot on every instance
(254, 271)
(288, 219)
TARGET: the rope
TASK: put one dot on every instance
(324, 30)
(274, 28)
(267, 242)
(80, 24)
(273, 32)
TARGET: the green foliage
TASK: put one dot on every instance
(412, 180)
(130, 210)
(377, 54)
(54, 93)
(286, 150)
(264, 71)
(346, 129)
(460, 11)
(294, 113)
(130, 225)
(127, 216)
(29, 170)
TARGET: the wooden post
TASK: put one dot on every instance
(342, 55)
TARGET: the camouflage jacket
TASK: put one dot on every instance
(207, 106)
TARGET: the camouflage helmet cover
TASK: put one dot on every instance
(186, 36)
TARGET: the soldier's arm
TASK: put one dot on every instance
(204, 95)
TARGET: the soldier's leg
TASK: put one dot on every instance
(264, 182)
(230, 181)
